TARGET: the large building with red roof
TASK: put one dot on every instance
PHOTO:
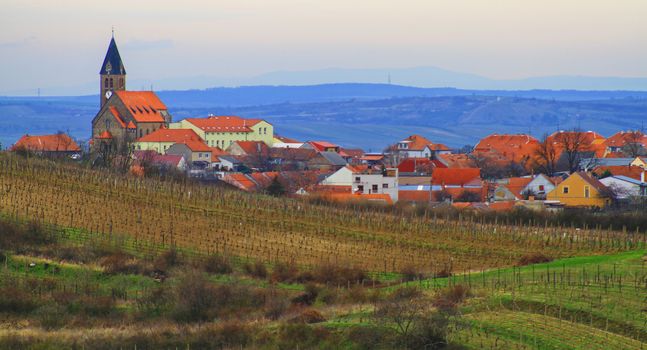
(518, 148)
(222, 131)
(124, 115)
(458, 183)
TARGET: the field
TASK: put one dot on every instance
(104, 239)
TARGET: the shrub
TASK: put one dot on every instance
(309, 316)
(536, 258)
(97, 306)
(167, 260)
(328, 296)
(16, 300)
(333, 274)
(371, 337)
(450, 297)
(256, 269)
(52, 316)
(120, 263)
(217, 264)
(410, 273)
(194, 298)
(284, 272)
(155, 302)
(406, 293)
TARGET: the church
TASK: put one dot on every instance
(124, 115)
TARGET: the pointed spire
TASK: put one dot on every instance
(112, 64)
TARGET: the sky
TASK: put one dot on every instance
(61, 44)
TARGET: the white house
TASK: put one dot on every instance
(377, 183)
(416, 146)
(626, 187)
(539, 186)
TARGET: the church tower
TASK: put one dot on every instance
(113, 73)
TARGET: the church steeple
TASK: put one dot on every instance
(112, 73)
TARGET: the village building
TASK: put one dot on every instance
(540, 185)
(627, 142)
(223, 131)
(518, 148)
(511, 189)
(47, 145)
(162, 139)
(624, 187)
(458, 184)
(322, 146)
(416, 146)
(580, 190)
(193, 151)
(124, 115)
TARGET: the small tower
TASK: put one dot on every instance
(112, 73)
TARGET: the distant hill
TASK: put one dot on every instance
(359, 115)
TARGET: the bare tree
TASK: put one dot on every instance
(546, 156)
(633, 146)
(572, 145)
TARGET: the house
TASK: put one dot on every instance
(168, 161)
(192, 150)
(420, 166)
(587, 141)
(628, 142)
(47, 145)
(222, 131)
(285, 142)
(249, 149)
(540, 185)
(229, 163)
(372, 159)
(580, 189)
(352, 155)
(414, 189)
(518, 148)
(291, 158)
(640, 162)
(124, 115)
(330, 161)
(322, 146)
(416, 146)
(362, 180)
(588, 164)
(463, 184)
(162, 139)
(511, 189)
(376, 182)
(458, 160)
(631, 171)
(624, 187)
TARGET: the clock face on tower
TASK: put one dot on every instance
(108, 94)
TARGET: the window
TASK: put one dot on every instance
(565, 190)
(148, 131)
(357, 179)
(107, 124)
(121, 83)
(360, 189)
(541, 188)
(374, 188)
(587, 192)
(106, 83)
(141, 132)
(111, 83)
(385, 185)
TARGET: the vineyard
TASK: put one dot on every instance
(207, 219)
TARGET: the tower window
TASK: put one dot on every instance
(106, 83)
(111, 83)
(121, 83)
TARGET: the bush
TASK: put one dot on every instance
(450, 297)
(155, 302)
(217, 264)
(285, 272)
(98, 306)
(406, 293)
(194, 298)
(120, 263)
(256, 269)
(371, 337)
(309, 316)
(52, 316)
(536, 258)
(309, 296)
(410, 273)
(167, 260)
(16, 300)
(333, 274)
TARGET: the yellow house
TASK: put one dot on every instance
(162, 139)
(640, 161)
(580, 190)
(222, 131)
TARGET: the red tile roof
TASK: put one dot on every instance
(115, 113)
(516, 148)
(224, 123)
(628, 171)
(170, 135)
(516, 185)
(456, 161)
(620, 139)
(372, 157)
(286, 139)
(502, 206)
(253, 147)
(145, 106)
(455, 176)
(592, 180)
(418, 143)
(196, 145)
(353, 197)
(409, 165)
(47, 143)
(322, 145)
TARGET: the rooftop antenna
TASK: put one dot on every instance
(389, 79)
(151, 87)
(113, 31)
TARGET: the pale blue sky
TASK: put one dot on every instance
(61, 43)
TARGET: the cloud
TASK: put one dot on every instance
(18, 43)
(148, 44)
